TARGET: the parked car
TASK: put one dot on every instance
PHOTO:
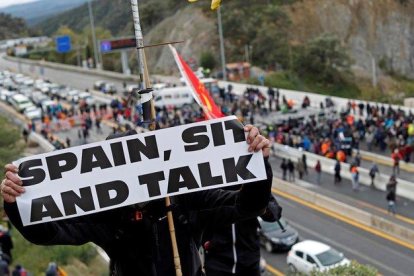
(109, 88)
(273, 238)
(38, 97)
(85, 96)
(72, 95)
(48, 104)
(5, 95)
(33, 113)
(175, 96)
(20, 102)
(98, 85)
(306, 256)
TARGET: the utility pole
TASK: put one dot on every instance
(223, 58)
(374, 71)
(95, 45)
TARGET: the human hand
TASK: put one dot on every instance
(11, 186)
(257, 141)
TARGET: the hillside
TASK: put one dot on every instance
(12, 27)
(114, 15)
(381, 28)
(37, 11)
(382, 31)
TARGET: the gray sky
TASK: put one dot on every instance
(4, 3)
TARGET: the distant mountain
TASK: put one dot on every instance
(37, 11)
(11, 27)
(114, 15)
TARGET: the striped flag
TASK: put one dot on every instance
(199, 91)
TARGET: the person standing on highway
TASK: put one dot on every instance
(396, 157)
(354, 177)
(391, 194)
(305, 164)
(300, 167)
(318, 170)
(337, 169)
(284, 168)
(291, 169)
(372, 173)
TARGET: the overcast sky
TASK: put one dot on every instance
(4, 3)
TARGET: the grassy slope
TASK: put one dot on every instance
(79, 260)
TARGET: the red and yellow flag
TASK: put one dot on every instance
(214, 3)
(200, 93)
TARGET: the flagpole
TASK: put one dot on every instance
(149, 115)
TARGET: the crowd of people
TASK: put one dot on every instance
(332, 136)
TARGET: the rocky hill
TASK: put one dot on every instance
(370, 30)
(383, 29)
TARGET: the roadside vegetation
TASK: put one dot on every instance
(76, 260)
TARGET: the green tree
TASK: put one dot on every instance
(69, 57)
(207, 60)
(324, 60)
(262, 25)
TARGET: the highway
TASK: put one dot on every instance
(86, 81)
(388, 257)
(73, 79)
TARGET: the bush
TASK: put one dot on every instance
(354, 269)
(11, 145)
(207, 60)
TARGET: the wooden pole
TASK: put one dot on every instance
(147, 101)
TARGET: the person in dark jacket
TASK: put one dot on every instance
(235, 249)
(6, 244)
(136, 238)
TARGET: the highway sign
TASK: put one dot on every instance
(63, 44)
(117, 44)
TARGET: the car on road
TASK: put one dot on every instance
(98, 85)
(175, 96)
(85, 96)
(274, 238)
(72, 96)
(20, 102)
(309, 255)
(109, 88)
(33, 113)
(5, 95)
(38, 97)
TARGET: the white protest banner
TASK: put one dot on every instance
(132, 169)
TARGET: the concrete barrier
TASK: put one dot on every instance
(91, 71)
(404, 188)
(387, 161)
(315, 99)
(350, 212)
(42, 142)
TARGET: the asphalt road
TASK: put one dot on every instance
(356, 244)
(366, 194)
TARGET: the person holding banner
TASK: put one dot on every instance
(136, 237)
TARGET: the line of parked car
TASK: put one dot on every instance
(33, 97)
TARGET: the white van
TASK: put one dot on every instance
(20, 102)
(175, 96)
